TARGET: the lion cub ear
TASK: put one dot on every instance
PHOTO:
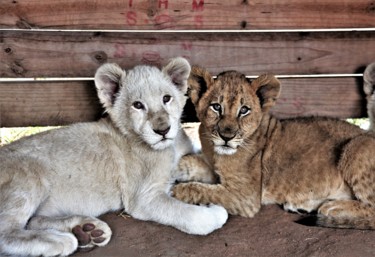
(108, 82)
(369, 79)
(267, 88)
(178, 69)
(200, 79)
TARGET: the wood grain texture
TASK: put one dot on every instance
(47, 103)
(60, 103)
(187, 14)
(333, 97)
(77, 54)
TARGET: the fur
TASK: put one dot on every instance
(53, 185)
(369, 88)
(304, 164)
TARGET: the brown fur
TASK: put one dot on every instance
(304, 164)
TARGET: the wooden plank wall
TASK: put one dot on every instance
(70, 39)
(186, 14)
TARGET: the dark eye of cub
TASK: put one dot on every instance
(138, 105)
(216, 107)
(166, 98)
(244, 110)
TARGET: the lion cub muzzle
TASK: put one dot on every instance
(225, 145)
(226, 140)
(160, 123)
(227, 130)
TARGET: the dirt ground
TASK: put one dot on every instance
(271, 233)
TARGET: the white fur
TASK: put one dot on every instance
(67, 177)
(226, 148)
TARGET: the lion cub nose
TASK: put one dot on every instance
(226, 138)
(162, 132)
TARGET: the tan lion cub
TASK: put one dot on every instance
(304, 164)
(53, 185)
(369, 88)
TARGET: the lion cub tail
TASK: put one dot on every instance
(346, 222)
(343, 214)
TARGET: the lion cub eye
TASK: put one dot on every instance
(216, 107)
(167, 99)
(138, 105)
(244, 110)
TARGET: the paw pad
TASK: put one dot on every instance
(87, 234)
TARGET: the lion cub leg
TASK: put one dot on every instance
(16, 240)
(239, 194)
(89, 231)
(232, 201)
(23, 189)
(194, 168)
(17, 205)
(357, 165)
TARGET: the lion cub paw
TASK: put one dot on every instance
(206, 219)
(221, 215)
(183, 193)
(92, 233)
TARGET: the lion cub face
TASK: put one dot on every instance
(145, 101)
(231, 107)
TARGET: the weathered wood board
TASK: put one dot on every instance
(78, 54)
(60, 103)
(187, 14)
(47, 103)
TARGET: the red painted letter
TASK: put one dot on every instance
(120, 51)
(131, 18)
(163, 2)
(198, 6)
(198, 21)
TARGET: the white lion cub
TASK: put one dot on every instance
(53, 185)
